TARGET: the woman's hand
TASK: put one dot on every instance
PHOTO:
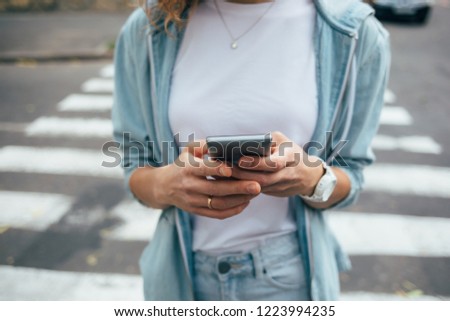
(289, 171)
(286, 172)
(184, 184)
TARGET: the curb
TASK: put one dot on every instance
(15, 57)
(65, 5)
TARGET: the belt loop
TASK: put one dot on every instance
(258, 265)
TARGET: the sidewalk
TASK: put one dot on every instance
(45, 5)
(46, 36)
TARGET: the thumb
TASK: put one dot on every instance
(198, 148)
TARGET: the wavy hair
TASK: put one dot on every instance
(168, 11)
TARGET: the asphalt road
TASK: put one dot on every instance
(50, 34)
(61, 217)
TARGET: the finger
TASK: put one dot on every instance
(278, 194)
(279, 187)
(227, 202)
(285, 193)
(271, 163)
(198, 148)
(202, 167)
(217, 202)
(224, 188)
(220, 178)
(286, 154)
(219, 214)
(263, 178)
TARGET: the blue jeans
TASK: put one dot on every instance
(271, 272)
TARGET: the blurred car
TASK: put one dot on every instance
(417, 11)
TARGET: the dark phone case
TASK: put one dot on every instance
(230, 148)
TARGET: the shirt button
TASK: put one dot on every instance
(224, 267)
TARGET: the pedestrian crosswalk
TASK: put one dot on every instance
(364, 233)
(380, 234)
(102, 128)
(390, 178)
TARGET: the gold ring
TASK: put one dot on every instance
(209, 202)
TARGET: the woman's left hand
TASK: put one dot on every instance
(288, 171)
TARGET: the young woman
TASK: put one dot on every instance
(311, 73)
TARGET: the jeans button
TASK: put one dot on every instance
(224, 267)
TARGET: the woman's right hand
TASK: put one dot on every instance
(184, 184)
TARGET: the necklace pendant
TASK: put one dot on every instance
(234, 45)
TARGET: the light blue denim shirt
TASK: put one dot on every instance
(353, 59)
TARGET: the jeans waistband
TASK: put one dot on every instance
(271, 250)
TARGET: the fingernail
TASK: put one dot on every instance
(253, 189)
(245, 163)
(223, 171)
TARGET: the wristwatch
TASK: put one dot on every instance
(324, 187)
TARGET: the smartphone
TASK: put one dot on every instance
(230, 148)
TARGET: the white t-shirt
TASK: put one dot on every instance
(267, 84)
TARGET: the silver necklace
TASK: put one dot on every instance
(234, 40)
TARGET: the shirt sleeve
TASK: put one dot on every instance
(373, 65)
(129, 127)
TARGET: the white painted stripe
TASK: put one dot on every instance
(420, 180)
(389, 234)
(389, 97)
(398, 116)
(369, 296)
(107, 72)
(64, 161)
(27, 284)
(415, 144)
(98, 85)
(139, 222)
(32, 211)
(70, 127)
(86, 103)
